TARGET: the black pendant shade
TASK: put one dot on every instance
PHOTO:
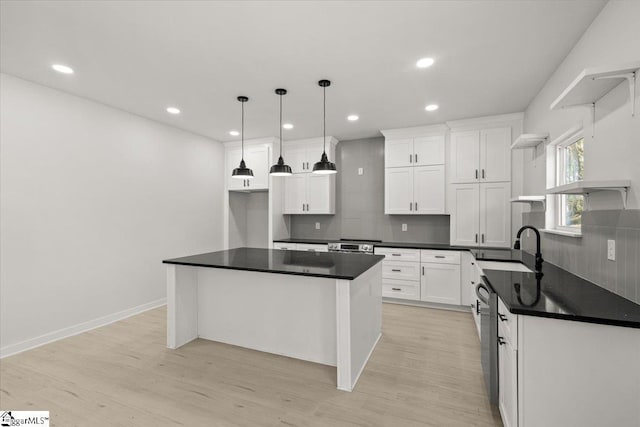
(280, 168)
(324, 166)
(242, 171)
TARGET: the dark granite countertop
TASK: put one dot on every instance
(556, 293)
(332, 265)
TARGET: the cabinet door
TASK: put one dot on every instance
(495, 155)
(295, 194)
(440, 283)
(320, 194)
(465, 157)
(398, 153)
(428, 150)
(233, 161)
(296, 157)
(508, 384)
(314, 153)
(495, 214)
(465, 208)
(428, 189)
(398, 191)
(257, 159)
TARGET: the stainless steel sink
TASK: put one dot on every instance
(503, 266)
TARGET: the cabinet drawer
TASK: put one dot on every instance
(401, 289)
(284, 246)
(440, 257)
(507, 325)
(397, 254)
(401, 270)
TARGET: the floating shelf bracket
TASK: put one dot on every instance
(624, 194)
(631, 78)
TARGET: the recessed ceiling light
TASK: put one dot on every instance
(173, 110)
(431, 107)
(352, 118)
(287, 126)
(62, 69)
(234, 133)
(425, 62)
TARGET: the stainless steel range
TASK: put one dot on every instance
(353, 245)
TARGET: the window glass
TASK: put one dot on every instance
(571, 169)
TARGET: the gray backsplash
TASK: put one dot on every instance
(587, 256)
(360, 203)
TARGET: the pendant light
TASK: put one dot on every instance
(324, 166)
(280, 169)
(242, 172)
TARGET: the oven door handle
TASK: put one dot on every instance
(483, 298)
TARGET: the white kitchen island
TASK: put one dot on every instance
(320, 307)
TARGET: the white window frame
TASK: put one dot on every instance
(555, 169)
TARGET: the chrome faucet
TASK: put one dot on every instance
(516, 245)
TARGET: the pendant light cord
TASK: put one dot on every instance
(242, 129)
(280, 125)
(324, 119)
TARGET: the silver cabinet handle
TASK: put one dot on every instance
(416, 158)
(482, 237)
(307, 165)
(439, 256)
(307, 207)
(303, 207)
(396, 269)
(411, 206)
(482, 173)
(502, 317)
(476, 173)
(410, 158)
(423, 270)
(302, 165)
(476, 237)
(396, 254)
(248, 183)
(501, 341)
(396, 289)
(416, 209)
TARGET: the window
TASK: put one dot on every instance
(570, 161)
(565, 164)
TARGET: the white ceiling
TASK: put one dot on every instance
(491, 57)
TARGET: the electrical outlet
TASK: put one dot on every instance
(611, 250)
(404, 227)
(360, 171)
(317, 226)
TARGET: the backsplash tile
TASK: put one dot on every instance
(360, 203)
(587, 256)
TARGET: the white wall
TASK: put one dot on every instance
(92, 200)
(613, 38)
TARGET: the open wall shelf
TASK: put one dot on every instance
(594, 83)
(529, 140)
(531, 200)
(588, 187)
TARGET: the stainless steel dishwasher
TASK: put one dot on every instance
(489, 338)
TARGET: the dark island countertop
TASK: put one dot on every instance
(332, 265)
(556, 293)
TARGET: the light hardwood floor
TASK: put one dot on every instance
(425, 371)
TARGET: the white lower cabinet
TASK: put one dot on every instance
(507, 366)
(415, 190)
(440, 277)
(400, 273)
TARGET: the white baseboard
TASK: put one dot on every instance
(70, 331)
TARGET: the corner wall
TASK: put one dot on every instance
(92, 200)
(613, 153)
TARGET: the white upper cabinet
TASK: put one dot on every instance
(420, 151)
(429, 189)
(257, 159)
(398, 190)
(495, 214)
(481, 155)
(304, 191)
(415, 171)
(398, 153)
(301, 155)
(481, 215)
(495, 155)
(428, 150)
